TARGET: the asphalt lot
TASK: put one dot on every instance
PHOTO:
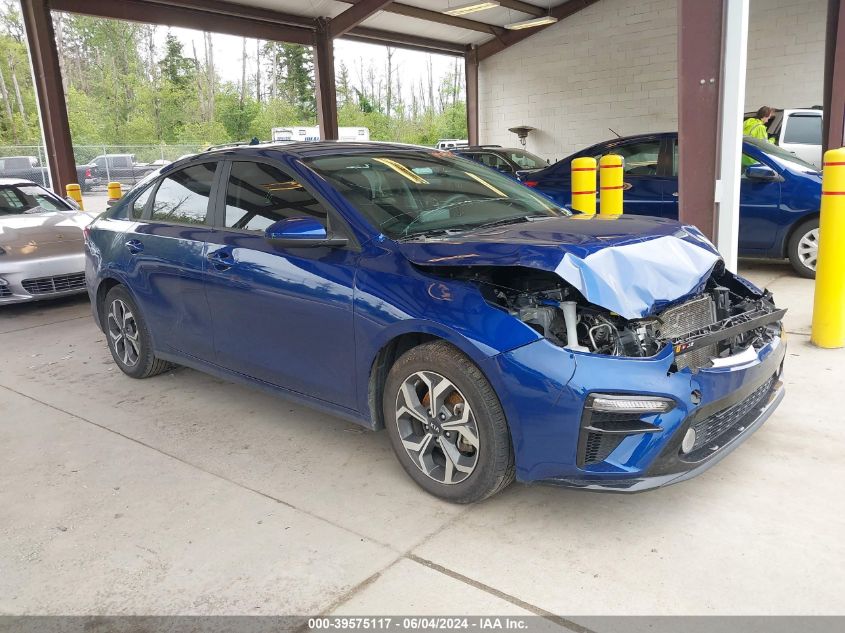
(183, 494)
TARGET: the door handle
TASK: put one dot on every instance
(675, 194)
(626, 186)
(221, 259)
(134, 246)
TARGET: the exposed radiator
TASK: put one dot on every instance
(689, 317)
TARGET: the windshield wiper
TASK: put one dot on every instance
(506, 221)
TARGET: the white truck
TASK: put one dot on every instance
(798, 131)
(307, 134)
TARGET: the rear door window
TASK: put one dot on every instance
(183, 197)
(494, 160)
(259, 195)
(641, 159)
(803, 129)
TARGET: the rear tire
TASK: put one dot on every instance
(462, 453)
(803, 248)
(127, 336)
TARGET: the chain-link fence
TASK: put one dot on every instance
(96, 165)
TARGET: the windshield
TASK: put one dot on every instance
(408, 193)
(779, 154)
(526, 160)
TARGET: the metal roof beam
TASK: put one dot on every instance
(152, 12)
(354, 15)
(523, 7)
(561, 12)
(435, 16)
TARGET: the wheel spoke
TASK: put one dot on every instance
(455, 461)
(421, 449)
(437, 427)
(413, 406)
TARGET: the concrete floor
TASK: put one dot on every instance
(183, 494)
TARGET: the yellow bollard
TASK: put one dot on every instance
(612, 182)
(115, 191)
(584, 185)
(74, 192)
(829, 301)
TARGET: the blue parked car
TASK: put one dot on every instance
(489, 332)
(780, 194)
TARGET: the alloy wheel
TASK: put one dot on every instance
(808, 249)
(123, 333)
(437, 427)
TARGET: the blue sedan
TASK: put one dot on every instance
(779, 198)
(492, 334)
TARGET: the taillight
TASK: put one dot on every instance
(86, 232)
(88, 173)
(530, 183)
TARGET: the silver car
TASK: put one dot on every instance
(41, 243)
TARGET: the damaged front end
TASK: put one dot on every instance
(723, 318)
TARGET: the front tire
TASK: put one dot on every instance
(127, 336)
(446, 424)
(803, 248)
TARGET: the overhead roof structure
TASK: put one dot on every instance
(424, 25)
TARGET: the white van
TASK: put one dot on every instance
(450, 143)
(798, 130)
(312, 133)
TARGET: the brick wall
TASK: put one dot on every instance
(613, 65)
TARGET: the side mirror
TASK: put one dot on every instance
(73, 203)
(762, 173)
(302, 232)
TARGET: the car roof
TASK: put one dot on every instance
(10, 182)
(309, 149)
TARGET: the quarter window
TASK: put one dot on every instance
(182, 198)
(140, 203)
(259, 195)
(10, 202)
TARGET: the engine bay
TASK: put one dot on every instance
(725, 318)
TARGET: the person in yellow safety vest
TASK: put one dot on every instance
(757, 127)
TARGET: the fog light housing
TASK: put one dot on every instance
(607, 403)
(688, 441)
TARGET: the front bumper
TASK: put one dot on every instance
(545, 390)
(680, 470)
(43, 278)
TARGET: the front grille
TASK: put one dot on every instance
(599, 446)
(709, 429)
(52, 285)
(5, 292)
(688, 317)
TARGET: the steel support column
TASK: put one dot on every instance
(326, 90)
(699, 78)
(471, 77)
(47, 77)
(834, 77)
(734, 59)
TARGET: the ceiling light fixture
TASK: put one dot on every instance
(530, 24)
(472, 7)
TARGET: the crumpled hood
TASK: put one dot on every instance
(631, 265)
